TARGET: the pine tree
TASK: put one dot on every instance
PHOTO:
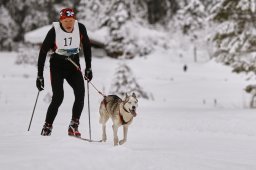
(125, 82)
(235, 38)
(31, 14)
(121, 19)
(119, 14)
(191, 18)
(34, 20)
(8, 29)
(161, 10)
(90, 13)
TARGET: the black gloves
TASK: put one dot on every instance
(40, 83)
(88, 74)
(40, 79)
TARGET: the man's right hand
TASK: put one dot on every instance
(88, 74)
(40, 83)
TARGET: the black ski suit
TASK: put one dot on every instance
(61, 69)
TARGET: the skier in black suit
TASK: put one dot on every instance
(65, 39)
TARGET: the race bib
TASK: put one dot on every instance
(67, 43)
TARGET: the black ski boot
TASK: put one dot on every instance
(73, 128)
(47, 129)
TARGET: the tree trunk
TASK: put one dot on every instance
(159, 10)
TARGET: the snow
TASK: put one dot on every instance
(38, 35)
(198, 120)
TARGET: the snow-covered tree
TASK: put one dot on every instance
(34, 20)
(209, 4)
(159, 11)
(121, 20)
(190, 18)
(31, 14)
(8, 29)
(92, 13)
(125, 21)
(118, 17)
(125, 82)
(235, 38)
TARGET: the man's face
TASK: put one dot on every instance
(68, 24)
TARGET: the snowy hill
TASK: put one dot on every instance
(197, 120)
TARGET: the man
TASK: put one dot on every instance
(64, 39)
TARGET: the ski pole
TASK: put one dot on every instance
(33, 110)
(89, 109)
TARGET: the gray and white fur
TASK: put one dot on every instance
(121, 112)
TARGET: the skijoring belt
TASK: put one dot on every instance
(64, 57)
(67, 52)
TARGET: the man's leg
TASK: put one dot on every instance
(57, 98)
(76, 81)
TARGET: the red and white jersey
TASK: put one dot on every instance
(67, 43)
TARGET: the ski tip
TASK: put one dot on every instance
(90, 140)
(85, 139)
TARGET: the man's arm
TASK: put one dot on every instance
(86, 45)
(48, 44)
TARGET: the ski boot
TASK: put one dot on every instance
(73, 128)
(47, 129)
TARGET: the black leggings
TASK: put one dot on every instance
(74, 78)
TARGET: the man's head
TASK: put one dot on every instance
(67, 13)
(67, 19)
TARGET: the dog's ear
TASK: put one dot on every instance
(134, 95)
(126, 98)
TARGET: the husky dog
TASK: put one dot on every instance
(121, 113)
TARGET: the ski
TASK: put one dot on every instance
(85, 139)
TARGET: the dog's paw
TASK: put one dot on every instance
(122, 142)
(104, 139)
(115, 141)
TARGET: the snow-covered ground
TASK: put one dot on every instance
(198, 120)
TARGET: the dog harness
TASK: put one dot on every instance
(120, 115)
(122, 118)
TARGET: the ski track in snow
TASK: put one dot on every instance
(181, 129)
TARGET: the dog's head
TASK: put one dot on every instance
(131, 104)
